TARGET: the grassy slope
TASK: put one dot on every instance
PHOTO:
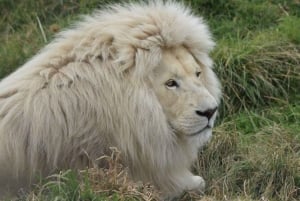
(255, 153)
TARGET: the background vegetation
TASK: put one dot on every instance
(255, 151)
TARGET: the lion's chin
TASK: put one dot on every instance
(202, 138)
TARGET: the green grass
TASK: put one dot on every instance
(255, 152)
(68, 186)
(92, 184)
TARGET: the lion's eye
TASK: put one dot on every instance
(171, 84)
(198, 73)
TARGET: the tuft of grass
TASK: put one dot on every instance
(256, 155)
(290, 27)
(258, 70)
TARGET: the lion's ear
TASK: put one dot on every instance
(140, 57)
(95, 47)
(146, 60)
(106, 49)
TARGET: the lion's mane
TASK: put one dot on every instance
(87, 91)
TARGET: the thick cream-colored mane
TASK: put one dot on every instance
(87, 91)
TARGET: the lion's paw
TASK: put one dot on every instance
(197, 184)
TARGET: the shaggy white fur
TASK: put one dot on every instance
(89, 90)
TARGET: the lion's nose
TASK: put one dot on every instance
(207, 113)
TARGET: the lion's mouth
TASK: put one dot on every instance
(200, 131)
(207, 127)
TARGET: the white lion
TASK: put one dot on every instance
(137, 77)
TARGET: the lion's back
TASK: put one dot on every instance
(49, 124)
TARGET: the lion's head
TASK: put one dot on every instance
(187, 91)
